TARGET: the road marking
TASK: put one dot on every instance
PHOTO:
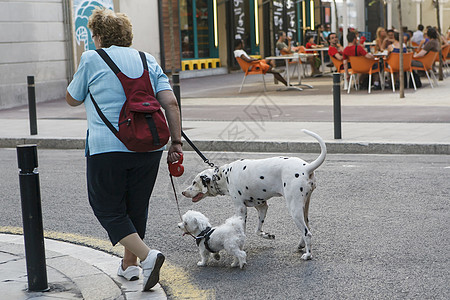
(174, 280)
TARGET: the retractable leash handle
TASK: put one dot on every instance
(176, 169)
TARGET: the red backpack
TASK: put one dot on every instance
(142, 125)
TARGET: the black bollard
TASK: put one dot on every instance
(32, 218)
(32, 105)
(337, 105)
(176, 88)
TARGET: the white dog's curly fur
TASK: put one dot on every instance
(229, 236)
(250, 183)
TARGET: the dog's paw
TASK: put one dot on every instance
(243, 265)
(216, 256)
(306, 256)
(201, 264)
(235, 264)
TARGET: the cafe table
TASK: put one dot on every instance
(287, 59)
(322, 56)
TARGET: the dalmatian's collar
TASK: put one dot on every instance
(205, 234)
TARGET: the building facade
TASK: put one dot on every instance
(195, 37)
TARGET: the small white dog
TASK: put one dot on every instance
(229, 236)
(250, 183)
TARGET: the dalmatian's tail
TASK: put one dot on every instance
(323, 152)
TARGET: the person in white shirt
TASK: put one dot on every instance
(260, 64)
(418, 35)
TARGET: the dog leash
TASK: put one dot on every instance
(178, 204)
(197, 150)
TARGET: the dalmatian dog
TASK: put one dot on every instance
(250, 183)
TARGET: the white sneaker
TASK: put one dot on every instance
(151, 267)
(130, 274)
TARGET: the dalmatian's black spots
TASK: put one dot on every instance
(264, 190)
(241, 159)
(286, 158)
(245, 167)
(239, 192)
(228, 181)
(261, 199)
(306, 231)
(251, 198)
(304, 164)
(246, 187)
(303, 174)
(212, 186)
(259, 203)
(284, 184)
(306, 193)
(296, 175)
(194, 182)
(301, 189)
(261, 177)
(231, 168)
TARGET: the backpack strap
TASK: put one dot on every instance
(144, 60)
(102, 116)
(356, 50)
(108, 61)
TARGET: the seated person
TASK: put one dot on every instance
(261, 63)
(310, 43)
(388, 40)
(353, 49)
(288, 49)
(335, 50)
(381, 35)
(395, 46)
(432, 45)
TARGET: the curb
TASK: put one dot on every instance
(258, 146)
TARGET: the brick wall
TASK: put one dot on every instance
(172, 54)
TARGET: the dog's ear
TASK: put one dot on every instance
(205, 179)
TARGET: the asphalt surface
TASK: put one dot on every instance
(379, 224)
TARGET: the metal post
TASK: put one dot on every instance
(32, 218)
(32, 105)
(337, 105)
(176, 88)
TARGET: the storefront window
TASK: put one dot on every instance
(196, 29)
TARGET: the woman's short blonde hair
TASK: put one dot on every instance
(112, 28)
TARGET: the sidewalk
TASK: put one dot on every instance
(73, 272)
(217, 118)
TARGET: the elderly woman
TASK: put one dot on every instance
(120, 181)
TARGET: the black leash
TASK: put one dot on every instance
(197, 150)
(171, 177)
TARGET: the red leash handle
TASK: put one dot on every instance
(176, 169)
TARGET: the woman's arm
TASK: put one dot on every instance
(71, 101)
(170, 105)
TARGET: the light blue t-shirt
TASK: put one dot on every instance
(94, 74)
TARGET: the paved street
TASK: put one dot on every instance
(379, 224)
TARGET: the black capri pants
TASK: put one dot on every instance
(119, 188)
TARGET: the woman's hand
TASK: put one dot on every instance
(174, 153)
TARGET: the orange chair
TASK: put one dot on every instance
(445, 49)
(427, 62)
(249, 69)
(362, 65)
(338, 64)
(392, 65)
